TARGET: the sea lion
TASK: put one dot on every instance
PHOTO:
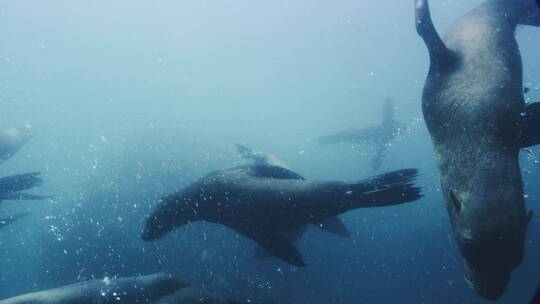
(11, 140)
(380, 135)
(142, 289)
(474, 108)
(194, 295)
(261, 202)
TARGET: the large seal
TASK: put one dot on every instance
(475, 111)
(143, 289)
(11, 140)
(262, 202)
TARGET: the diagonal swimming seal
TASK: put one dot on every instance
(262, 202)
(475, 111)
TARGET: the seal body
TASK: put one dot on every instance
(264, 203)
(473, 106)
(192, 295)
(380, 135)
(144, 289)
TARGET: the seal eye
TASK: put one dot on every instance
(454, 203)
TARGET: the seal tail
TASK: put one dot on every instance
(388, 189)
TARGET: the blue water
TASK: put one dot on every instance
(132, 100)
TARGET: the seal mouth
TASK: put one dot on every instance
(490, 285)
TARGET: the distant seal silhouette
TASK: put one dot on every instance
(143, 289)
(474, 108)
(262, 202)
(333, 225)
(380, 135)
(11, 140)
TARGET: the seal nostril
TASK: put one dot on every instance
(456, 205)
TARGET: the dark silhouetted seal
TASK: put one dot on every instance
(380, 135)
(142, 289)
(262, 202)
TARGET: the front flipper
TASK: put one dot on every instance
(293, 236)
(334, 225)
(530, 126)
(438, 52)
(278, 245)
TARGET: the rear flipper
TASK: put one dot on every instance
(293, 236)
(530, 126)
(334, 225)
(438, 52)
(392, 188)
(11, 185)
(11, 219)
(20, 182)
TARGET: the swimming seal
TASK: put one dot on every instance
(142, 289)
(380, 135)
(262, 202)
(475, 111)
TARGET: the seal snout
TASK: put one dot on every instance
(488, 284)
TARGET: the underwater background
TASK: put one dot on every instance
(132, 100)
